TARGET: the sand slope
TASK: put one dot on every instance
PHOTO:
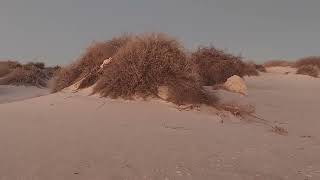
(72, 136)
(16, 93)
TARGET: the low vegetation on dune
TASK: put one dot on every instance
(130, 66)
(275, 63)
(148, 62)
(87, 66)
(260, 68)
(216, 66)
(7, 66)
(310, 70)
(52, 71)
(308, 66)
(30, 74)
(250, 69)
(312, 61)
(39, 65)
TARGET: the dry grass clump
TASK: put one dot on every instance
(216, 66)
(274, 63)
(88, 64)
(146, 63)
(312, 60)
(7, 66)
(26, 75)
(310, 70)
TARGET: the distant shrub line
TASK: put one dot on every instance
(306, 66)
(30, 74)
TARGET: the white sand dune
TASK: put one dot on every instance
(281, 70)
(73, 136)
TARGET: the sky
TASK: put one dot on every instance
(58, 31)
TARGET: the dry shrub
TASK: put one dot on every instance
(26, 75)
(310, 70)
(274, 63)
(250, 69)
(52, 71)
(39, 65)
(88, 64)
(7, 66)
(260, 68)
(188, 90)
(65, 77)
(312, 60)
(147, 62)
(216, 66)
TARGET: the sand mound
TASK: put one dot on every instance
(236, 84)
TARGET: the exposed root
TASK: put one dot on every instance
(245, 112)
(188, 107)
(279, 130)
(101, 105)
(237, 110)
(174, 127)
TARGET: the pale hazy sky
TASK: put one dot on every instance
(59, 30)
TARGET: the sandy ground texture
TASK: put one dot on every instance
(17, 93)
(68, 136)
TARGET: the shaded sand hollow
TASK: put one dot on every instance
(68, 136)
